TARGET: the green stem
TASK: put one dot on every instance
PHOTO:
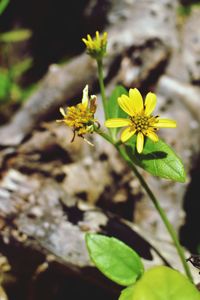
(104, 135)
(159, 209)
(161, 212)
(101, 84)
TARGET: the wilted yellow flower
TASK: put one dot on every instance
(96, 47)
(81, 116)
(140, 120)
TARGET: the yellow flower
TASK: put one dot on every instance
(140, 121)
(81, 116)
(96, 47)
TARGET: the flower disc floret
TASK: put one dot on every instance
(96, 47)
(141, 121)
(81, 116)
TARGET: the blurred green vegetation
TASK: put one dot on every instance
(184, 10)
(3, 5)
(12, 70)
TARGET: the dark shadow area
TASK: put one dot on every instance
(123, 232)
(124, 209)
(57, 27)
(152, 155)
(148, 156)
(54, 282)
(189, 2)
(189, 233)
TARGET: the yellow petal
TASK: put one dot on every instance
(127, 134)
(85, 41)
(150, 103)
(105, 35)
(62, 112)
(85, 97)
(152, 135)
(97, 35)
(137, 100)
(140, 142)
(126, 104)
(165, 123)
(112, 123)
(89, 38)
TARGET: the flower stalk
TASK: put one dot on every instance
(160, 211)
(154, 200)
(101, 85)
(149, 192)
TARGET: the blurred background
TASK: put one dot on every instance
(53, 191)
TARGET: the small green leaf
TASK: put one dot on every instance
(14, 36)
(158, 159)
(3, 5)
(161, 283)
(5, 84)
(114, 259)
(113, 108)
(21, 67)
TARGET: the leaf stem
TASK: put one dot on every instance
(106, 136)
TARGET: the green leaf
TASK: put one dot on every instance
(5, 84)
(20, 68)
(3, 5)
(114, 259)
(14, 36)
(161, 283)
(113, 109)
(158, 159)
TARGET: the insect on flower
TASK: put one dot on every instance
(81, 116)
(140, 122)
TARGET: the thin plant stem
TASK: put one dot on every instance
(161, 212)
(106, 136)
(101, 84)
(154, 200)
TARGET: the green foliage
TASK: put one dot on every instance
(157, 158)
(17, 35)
(184, 10)
(114, 259)
(161, 283)
(21, 67)
(3, 5)
(4, 84)
(9, 88)
(113, 109)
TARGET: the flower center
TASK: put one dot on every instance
(141, 122)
